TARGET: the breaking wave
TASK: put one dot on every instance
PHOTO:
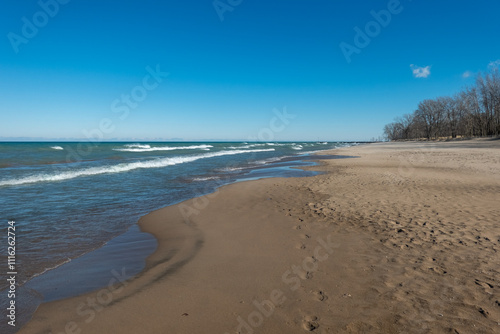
(120, 168)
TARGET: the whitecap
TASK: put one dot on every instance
(122, 167)
(200, 179)
(138, 146)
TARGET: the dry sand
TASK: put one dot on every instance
(402, 239)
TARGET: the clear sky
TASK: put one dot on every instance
(72, 69)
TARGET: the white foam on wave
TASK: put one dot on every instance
(162, 148)
(267, 161)
(57, 148)
(246, 146)
(238, 147)
(231, 169)
(49, 268)
(138, 146)
(200, 179)
(120, 168)
(297, 147)
(276, 144)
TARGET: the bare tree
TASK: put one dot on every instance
(450, 111)
(473, 112)
(430, 113)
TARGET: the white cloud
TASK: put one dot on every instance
(420, 72)
(494, 64)
(467, 74)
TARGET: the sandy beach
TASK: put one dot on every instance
(403, 238)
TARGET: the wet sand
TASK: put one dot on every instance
(401, 239)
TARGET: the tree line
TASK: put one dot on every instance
(473, 112)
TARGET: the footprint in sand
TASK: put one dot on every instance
(300, 246)
(305, 274)
(485, 285)
(310, 324)
(320, 295)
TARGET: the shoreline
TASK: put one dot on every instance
(107, 204)
(84, 274)
(298, 223)
(72, 278)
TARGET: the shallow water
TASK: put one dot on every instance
(65, 208)
(68, 198)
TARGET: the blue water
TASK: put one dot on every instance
(70, 198)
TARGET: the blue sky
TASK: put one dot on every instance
(225, 77)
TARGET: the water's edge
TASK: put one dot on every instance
(124, 256)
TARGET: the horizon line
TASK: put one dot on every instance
(80, 140)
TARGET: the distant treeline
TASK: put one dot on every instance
(474, 112)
